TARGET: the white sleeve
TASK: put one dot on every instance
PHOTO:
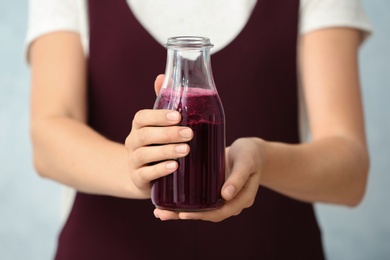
(319, 14)
(46, 16)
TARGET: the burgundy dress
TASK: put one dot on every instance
(256, 76)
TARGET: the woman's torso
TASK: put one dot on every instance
(256, 78)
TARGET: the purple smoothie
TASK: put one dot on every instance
(197, 183)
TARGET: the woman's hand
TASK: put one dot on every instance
(154, 141)
(244, 167)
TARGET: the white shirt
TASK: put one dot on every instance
(46, 16)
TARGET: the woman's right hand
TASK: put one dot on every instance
(153, 144)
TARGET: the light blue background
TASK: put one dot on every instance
(30, 206)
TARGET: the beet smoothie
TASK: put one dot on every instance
(196, 184)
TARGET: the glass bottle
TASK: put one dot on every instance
(189, 88)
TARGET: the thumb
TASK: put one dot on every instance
(158, 83)
(236, 180)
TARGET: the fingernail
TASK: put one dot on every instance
(174, 116)
(229, 191)
(182, 148)
(186, 133)
(170, 165)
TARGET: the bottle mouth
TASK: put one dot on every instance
(189, 42)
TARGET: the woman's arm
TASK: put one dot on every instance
(333, 166)
(65, 149)
(68, 151)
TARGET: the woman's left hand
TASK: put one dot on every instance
(245, 159)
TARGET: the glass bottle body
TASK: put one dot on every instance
(189, 88)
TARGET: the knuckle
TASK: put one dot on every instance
(139, 155)
(237, 213)
(135, 179)
(253, 165)
(249, 202)
(142, 177)
(171, 133)
(242, 177)
(217, 219)
(138, 118)
(167, 152)
(142, 136)
(128, 142)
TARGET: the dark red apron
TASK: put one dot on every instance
(256, 76)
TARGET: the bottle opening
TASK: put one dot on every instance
(189, 42)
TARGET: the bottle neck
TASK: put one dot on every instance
(189, 68)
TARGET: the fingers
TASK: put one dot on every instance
(244, 166)
(143, 176)
(244, 162)
(234, 207)
(147, 154)
(242, 200)
(147, 129)
(165, 214)
(155, 117)
(155, 137)
(236, 180)
(239, 191)
(166, 135)
(159, 135)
